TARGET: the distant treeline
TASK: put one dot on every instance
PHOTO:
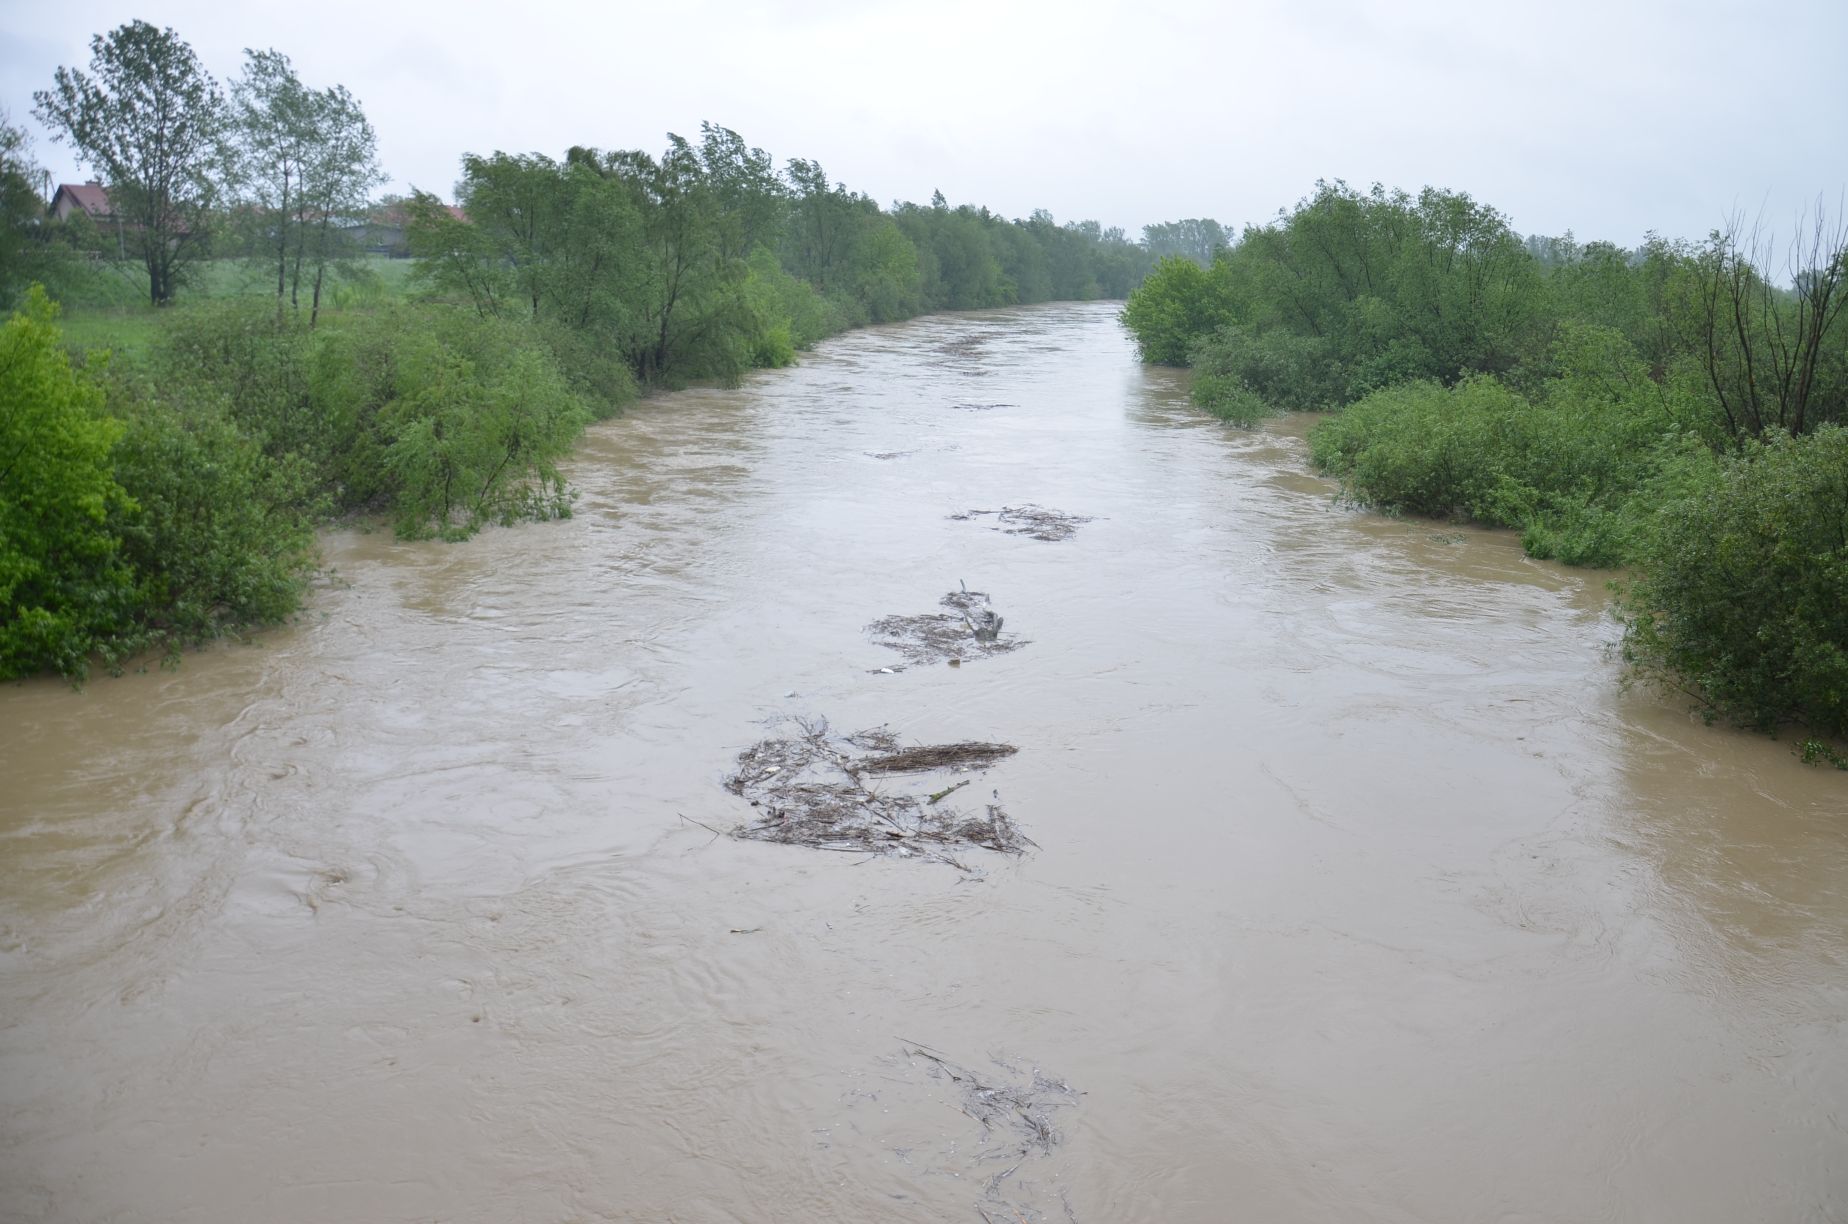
(167, 492)
(707, 260)
(1680, 409)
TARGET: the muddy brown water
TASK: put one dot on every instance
(1363, 890)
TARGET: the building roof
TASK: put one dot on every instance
(91, 197)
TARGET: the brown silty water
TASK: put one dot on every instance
(1363, 891)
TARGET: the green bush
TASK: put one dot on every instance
(1574, 467)
(789, 314)
(593, 367)
(1227, 397)
(1418, 447)
(159, 524)
(65, 591)
(1282, 369)
(220, 536)
(239, 354)
(475, 441)
(1744, 590)
(1176, 306)
(441, 418)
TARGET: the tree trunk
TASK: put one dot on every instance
(282, 246)
(320, 271)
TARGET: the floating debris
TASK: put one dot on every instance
(1035, 522)
(811, 787)
(887, 454)
(1016, 1112)
(937, 756)
(981, 407)
(971, 629)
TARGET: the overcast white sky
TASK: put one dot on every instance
(1609, 117)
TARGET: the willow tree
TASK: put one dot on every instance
(307, 161)
(149, 118)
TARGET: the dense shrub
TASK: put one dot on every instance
(441, 418)
(1387, 285)
(473, 441)
(789, 314)
(1418, 446)
(131, 517)
(165, 502)
(64, 589)
(1173, 309)
(1744, 587)
(594, 369)
(1277, 367)
(220, 536)
(1564, 464)
(1227, 397)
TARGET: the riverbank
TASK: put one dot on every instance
(1680, 409)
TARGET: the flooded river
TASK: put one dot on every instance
(1363, 891)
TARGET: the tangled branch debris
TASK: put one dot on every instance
(1016, 1113)
(971, 629)
(812, 787)
(1034, 522)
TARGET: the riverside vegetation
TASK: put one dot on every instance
(1680, 410)
(162, 467)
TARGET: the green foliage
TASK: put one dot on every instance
(150, 118)
(64, 588)
(473, 442)
(1390, 286)
(219, 537)
(1581, 394)
(302, 158)
(1282, 369)
(1197, 238)
(1571, 466)
(1773, 359)
(1819, 752)
(28, 252)
(1178, 305)
(1229, 398)
(884, 280)
(1744, 592)
(957, 256)
(703, 261)
(595, 371)
(444, 419)
(789, 315)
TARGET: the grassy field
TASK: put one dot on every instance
(107, 307)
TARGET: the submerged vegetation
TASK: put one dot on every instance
(1678, 409)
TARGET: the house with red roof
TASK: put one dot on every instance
(90, 199)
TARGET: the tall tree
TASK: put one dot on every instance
(307, 160)
(691, 319)
(342, 173)
(149, 117)
(272, 117)
(1774, 358)
(748, 197)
